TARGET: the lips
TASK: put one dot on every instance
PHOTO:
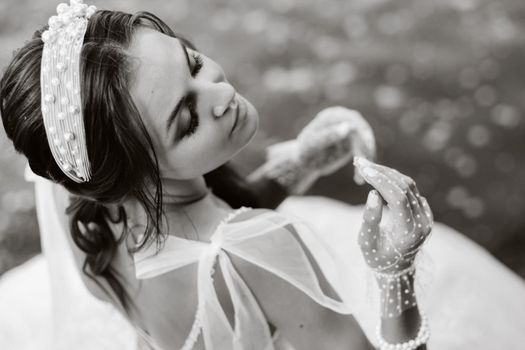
(235, 121)
(240, 113)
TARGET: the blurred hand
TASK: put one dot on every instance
(390, 247)
(326, 144)
(330, 140)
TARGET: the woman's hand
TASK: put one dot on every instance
(390, 245)
(326, 144)
(330, 140)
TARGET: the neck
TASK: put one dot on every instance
(183, 191)
(192, 211)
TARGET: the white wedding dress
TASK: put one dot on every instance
(472, 300)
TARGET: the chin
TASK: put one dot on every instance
(252, 124)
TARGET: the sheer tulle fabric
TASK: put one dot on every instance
(265, 241)
(472, 302)
(44, 303)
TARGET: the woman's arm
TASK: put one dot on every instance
(389, 242)
(325, 145)
(402, 328)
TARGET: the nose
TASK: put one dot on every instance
(224, 100)
(219, 76)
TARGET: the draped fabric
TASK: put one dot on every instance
(44, 303)
(264, 240)
(473, 302)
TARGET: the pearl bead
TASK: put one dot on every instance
(66, 166)
(62, 8)
(53, 22)
(55, 81)
(73, 109)
(90, 11)
(45, 36)
(49, 98)
(61, 67)
(69, 136)
(64, 101)
(61, 115)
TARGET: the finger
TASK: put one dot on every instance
(414, 213)
(412, 185)
(407, 185)
(406, 217)
(392, 194)
(356, 121)
(372, 214)
(337, 114)
(421, 211)
(325, 119)
(363, 143)
(332, 134)
(428, 213)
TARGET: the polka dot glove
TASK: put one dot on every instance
(391, 235)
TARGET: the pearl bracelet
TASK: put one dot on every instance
(422, 337)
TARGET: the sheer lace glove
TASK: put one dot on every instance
(390, 240)
(325, 145)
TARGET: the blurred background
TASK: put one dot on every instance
(441, 83)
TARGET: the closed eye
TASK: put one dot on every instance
(191, 99)
(189, 102)
(197, 65)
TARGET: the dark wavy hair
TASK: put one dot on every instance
(120, 149)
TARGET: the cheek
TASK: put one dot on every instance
(202, 152)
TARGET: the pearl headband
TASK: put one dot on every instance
(60, 88)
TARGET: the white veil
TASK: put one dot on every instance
(72, 317)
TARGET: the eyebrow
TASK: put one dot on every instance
(175, 111)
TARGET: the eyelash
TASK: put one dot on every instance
(190, 101)
(198, 63)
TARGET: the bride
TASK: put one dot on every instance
(128, 129)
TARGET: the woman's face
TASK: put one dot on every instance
(195, 117)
